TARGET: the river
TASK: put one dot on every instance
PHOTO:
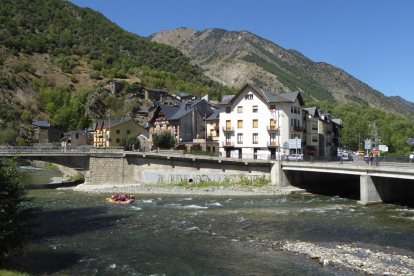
(83, 234)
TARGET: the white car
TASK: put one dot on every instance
(294, 157)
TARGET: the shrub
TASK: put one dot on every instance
(164, 140)
(15, 209)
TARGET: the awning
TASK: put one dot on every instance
(312, 150)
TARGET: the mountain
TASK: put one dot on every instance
(234, 58)
(407, 104)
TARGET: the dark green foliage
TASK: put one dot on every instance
(358, 122)
(23, 67)
(61, 28)
(15, 209)
(164, 140)
(8, 112)
(130, 140)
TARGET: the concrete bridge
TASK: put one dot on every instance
(389, 182)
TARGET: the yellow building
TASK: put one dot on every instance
(108, 133)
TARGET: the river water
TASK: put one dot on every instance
(83, 234)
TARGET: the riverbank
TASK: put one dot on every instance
(169, 189)
(352, 257)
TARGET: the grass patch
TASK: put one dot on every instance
(51, 166)
(203, 181)
(77, 177)
(4, 272)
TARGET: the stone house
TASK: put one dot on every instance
(114, 86)
(154, 94)
(44, 132)
(185, 121)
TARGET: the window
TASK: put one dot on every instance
(255, 138)
(295, 110)
(272, 124)
(77, 136)
(118, 131)
(128, 131)
(228, 125)
(314, 127)
(255, 123)
(255, 109)
(240, 124)
(272, 138)
(117, 140)
(239, 138)
(228, 109)
(298, 110)
(272, 106)
(240, 109)
(291, 109)
(249, 97)
(314, 139)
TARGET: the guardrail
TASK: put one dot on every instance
(396, 161)
(44, 149)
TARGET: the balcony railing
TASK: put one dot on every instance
(272, 128)
(228, 144)
(228, 129)
(296, 128)
(271, 144)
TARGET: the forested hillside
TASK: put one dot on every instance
(55, 58)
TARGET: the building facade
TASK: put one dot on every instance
(108, 133)
(255, 123)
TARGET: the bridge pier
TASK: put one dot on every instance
(371, 189)
(289, 178)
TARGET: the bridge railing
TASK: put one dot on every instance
(28, 149)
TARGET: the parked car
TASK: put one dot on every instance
(347, 157)
(294, 157)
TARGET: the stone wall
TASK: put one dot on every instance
(106, 167)
(164, 169)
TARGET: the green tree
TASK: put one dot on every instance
(163, 140)
(15, 209)
(130, 140)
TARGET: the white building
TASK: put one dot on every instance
(255, 123)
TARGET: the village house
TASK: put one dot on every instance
(108, 133)
(185, 97)
(186, 122)
(44, 132)
(114, 86)
(255, 123)
(77, 138)
(323, 134)
(144, 141)
(153, 94)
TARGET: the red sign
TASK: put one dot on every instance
(376, 152)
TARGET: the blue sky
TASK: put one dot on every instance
(371, 40)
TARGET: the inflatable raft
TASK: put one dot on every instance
(126, 201)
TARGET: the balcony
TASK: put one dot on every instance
(161, 123)
(228, 144)
(272, 145)
(296, 128)
(272, 128)
(228, 129)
